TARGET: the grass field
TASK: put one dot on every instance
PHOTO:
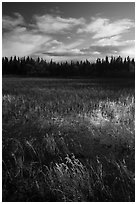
(68, 140)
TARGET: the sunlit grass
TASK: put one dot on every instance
(67, 143)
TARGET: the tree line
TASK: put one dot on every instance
(27, 66)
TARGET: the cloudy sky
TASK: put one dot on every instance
(68, 30)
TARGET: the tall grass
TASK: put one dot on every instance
(68, 141)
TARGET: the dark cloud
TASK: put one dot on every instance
(9, 23)
(69, 53)
(108, 49)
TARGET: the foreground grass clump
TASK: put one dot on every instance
(68, 140)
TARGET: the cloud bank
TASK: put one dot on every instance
(51, 24)
(102, 27)
(49, 35)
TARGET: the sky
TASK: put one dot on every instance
(68, 30)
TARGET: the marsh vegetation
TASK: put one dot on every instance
(68, 140)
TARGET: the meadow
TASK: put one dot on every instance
(68, 140)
